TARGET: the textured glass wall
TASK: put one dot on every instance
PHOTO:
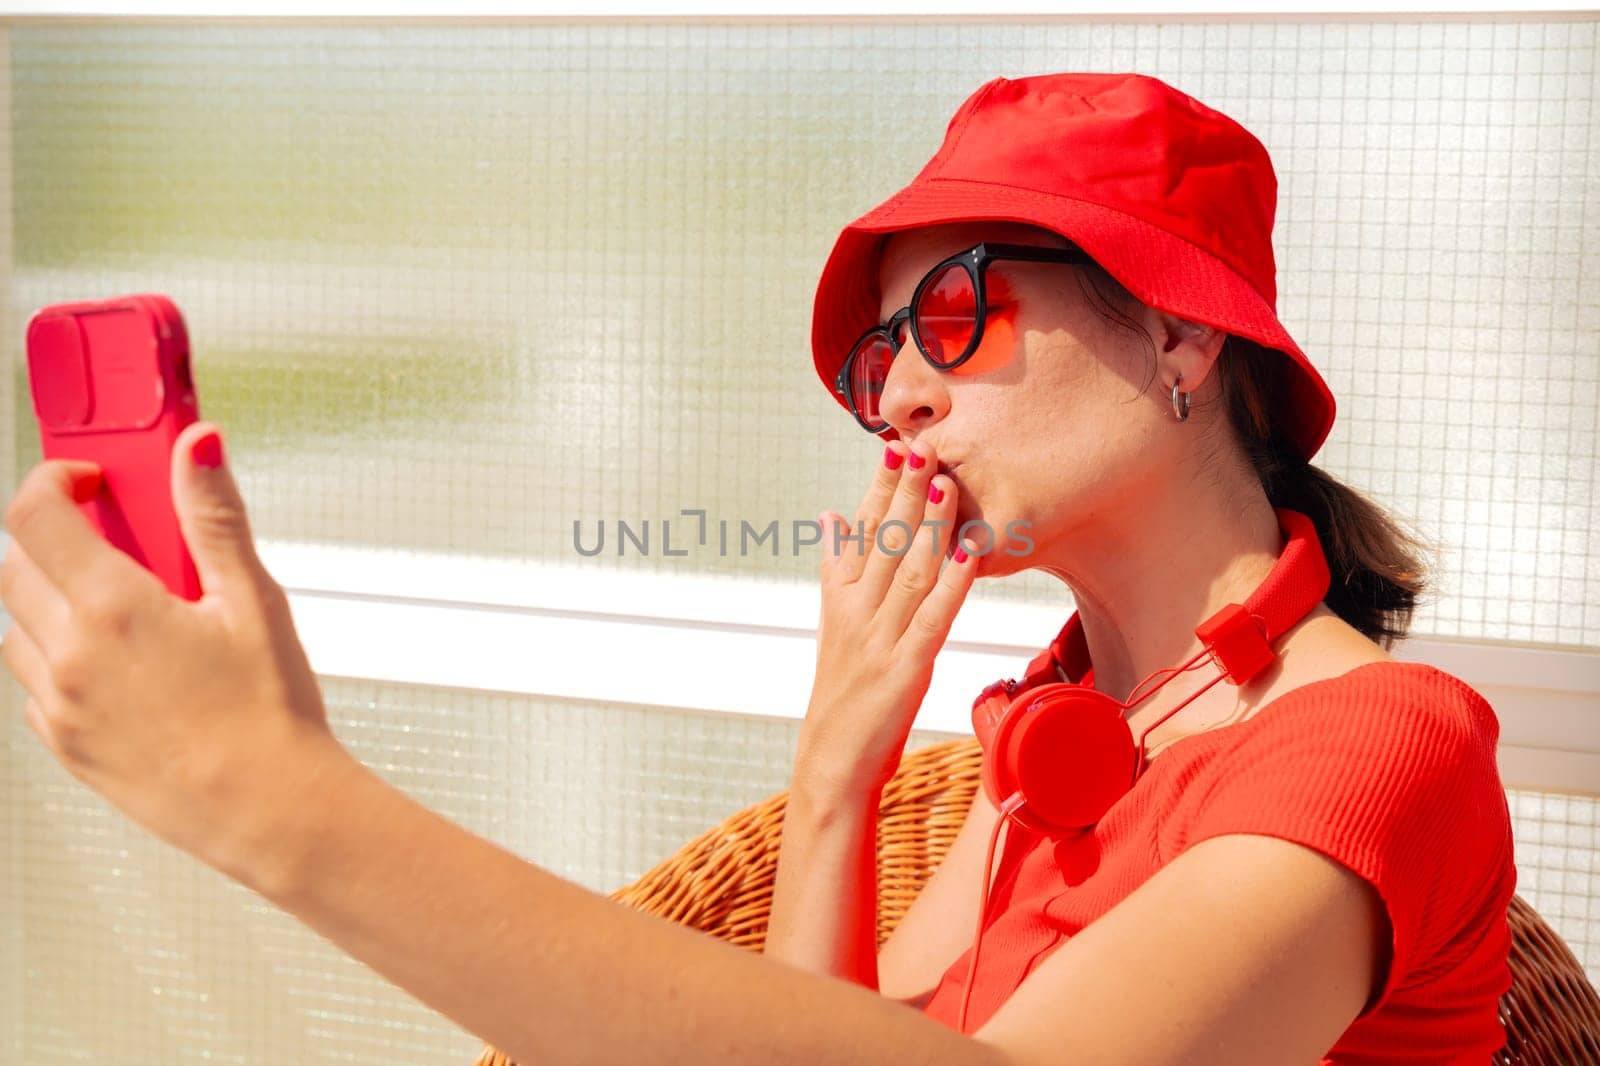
(454, 288)
(1557, 867)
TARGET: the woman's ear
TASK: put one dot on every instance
(1187, 348)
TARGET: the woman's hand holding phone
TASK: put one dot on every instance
(202, 721)
(886, 612)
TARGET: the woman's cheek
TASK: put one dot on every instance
(998, 346)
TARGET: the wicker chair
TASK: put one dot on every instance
(721, 883)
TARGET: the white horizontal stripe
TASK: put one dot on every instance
(733, 645)
(742, 9)
(578, 588)
(743, 646)
(1548, 770)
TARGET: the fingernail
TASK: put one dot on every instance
(960, 556)
(916, 461)
(208, 450)
(87, 487)
(935, 493)
(891, 459)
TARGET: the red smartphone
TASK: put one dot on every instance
(111, 384)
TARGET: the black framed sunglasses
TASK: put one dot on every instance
(944, 318)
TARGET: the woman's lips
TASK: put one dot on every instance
(949, 471)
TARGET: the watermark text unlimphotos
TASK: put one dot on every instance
(747, 538)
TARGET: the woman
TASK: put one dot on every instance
(1314, 856)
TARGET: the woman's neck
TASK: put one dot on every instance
(1142, 590)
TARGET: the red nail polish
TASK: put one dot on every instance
(916, 461)
(891, 459)
(208, 450)
(960, 556)
(935, 493)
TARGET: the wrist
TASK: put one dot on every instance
(276, 821)
(829, 783)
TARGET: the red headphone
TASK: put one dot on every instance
(1058, 753)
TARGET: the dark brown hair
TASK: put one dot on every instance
(1379, 569)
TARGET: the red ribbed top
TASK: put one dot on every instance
(1389, 769)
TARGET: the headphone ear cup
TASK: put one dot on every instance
(1068, 750)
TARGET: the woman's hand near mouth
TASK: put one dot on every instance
(886, 612)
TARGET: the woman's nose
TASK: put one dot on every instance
(914, 393)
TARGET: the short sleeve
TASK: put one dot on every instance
(1389, 771)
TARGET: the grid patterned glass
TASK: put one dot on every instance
(460, 288)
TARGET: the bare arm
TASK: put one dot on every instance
(542, 968)
(824, 902)
(940, 923)
(548, 971)
(885, 614)
(824, 899)
(1263, 952)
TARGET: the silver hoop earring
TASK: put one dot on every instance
(1183, 413)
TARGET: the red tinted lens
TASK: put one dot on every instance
(868, 371)
(947, 314)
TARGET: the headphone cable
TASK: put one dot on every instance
(1006, 810)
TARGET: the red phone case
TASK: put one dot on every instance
(111, 384)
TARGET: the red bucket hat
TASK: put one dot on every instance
(1175, 200)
